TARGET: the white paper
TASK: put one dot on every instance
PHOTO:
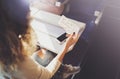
(68, 25)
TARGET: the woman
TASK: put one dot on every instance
(16, 44)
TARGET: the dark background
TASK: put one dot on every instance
(98, 49)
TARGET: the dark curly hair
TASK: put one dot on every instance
(15, 32)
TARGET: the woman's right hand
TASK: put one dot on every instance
(72, 39)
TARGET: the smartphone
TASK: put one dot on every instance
(62, 38)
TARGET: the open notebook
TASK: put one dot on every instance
(48, 27)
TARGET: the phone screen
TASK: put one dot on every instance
(62, 37)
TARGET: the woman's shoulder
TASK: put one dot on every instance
(28, 69)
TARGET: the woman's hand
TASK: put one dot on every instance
(72, 39)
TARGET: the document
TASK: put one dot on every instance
(68, 25)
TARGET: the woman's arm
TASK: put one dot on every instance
(56, 62)
(47, 72)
